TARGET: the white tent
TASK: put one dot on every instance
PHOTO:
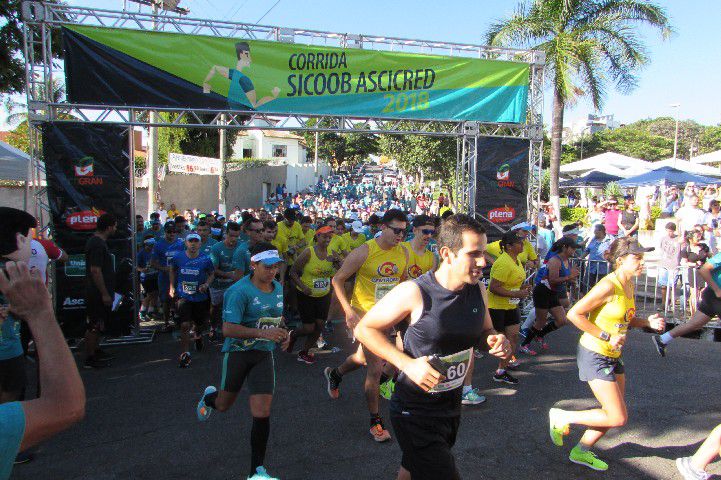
(609, 162)
(712, 157)
(691, 167)
(13, 163)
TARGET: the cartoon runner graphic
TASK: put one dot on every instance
(241, 93)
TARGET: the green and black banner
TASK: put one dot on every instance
(88, 174)
(157, 69)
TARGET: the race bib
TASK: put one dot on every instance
(458, 364)
(382, 289)
(514, 300)
(268, 322)
(321, 284)
(189, 288)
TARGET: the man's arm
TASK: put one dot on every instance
(705, 272)
(351, 265)
(62, 401)
(172, 277)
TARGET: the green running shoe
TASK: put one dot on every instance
(556, 430)
(387, 388)
(587, 458)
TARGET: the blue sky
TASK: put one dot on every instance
(686, 69)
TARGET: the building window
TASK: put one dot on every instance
(247, 153)
(280, 151)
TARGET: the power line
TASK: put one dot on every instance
(231, 17)
(266, 13)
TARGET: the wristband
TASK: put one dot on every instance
(605, 336)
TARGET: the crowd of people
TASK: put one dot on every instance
(405, 275)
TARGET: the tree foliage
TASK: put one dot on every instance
(340, 149)
(204, 142)
(434, 156)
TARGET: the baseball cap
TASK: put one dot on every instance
(324, 229)
(511, 237)
(357, 226)
(267, 257)
(14, 221)
(634, 248)
(149, 241)
(192, 236)
(522, 226)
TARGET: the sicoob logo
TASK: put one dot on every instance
(502, 215)
(387, 269)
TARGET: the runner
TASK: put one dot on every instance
(311, 274)
(190, 277)
(506, 291)
(694, 467)
(545, 295)
(206, 241)
(252, 326)
(528, 256)
(355, 237)
(162, 252)
(708, 307)
(148, 278)
(449, 316)
(604, 315)
(230, 261)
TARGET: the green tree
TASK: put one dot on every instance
(19, 137)
(435, 157)
(589, 44)
(710, 140)
(339, 149)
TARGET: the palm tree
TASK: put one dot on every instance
(589, 44)
(17, 111)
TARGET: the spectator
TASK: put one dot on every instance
(62, 402)
(670, 203)
(163, 214)
(596, 250)
(173, 211)
(712, 225)
(611, 217)
(668, 262)
(628, 219)
(690, 215)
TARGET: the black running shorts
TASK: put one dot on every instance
(594, 366)
(710, 304)
(12, 375)
(426, 444)
(545, 298)
(96, 312)
(312, 309)
(150, 284)
(503, 319)
(256, 368)
(194, 312)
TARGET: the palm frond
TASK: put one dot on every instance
(636, 11)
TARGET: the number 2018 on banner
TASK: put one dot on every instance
(400, 102)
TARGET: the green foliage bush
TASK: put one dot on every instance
(572, 215)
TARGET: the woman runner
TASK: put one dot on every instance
(604, 315)
(311, 274)
(252, 326)
(545, 295)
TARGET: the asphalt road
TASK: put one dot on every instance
(140, 421)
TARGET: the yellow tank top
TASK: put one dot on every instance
(317, 274)
(381, 271)
(613, 317)
(418, 265)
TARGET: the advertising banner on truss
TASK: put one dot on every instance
(88, 173)
(193, 164)
(159, 69)
(501, 183)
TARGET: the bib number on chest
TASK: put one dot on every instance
(382, 289)
(321, 284)
(458, 364)
(189, 288)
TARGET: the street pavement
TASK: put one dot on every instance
(140, 420)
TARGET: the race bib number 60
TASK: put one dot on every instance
(458, 364)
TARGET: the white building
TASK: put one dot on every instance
(588, 126)
(280, 147)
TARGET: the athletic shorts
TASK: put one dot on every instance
(710, 304)
(562, 291)
(195, 312)
(426, 444)
(666, 277)
(545, 298)
(216, 295)
(313, 308)
(150, 284)
(96, 312)
(594, 366)
(12, 374)
(255, 368)
(503, 319)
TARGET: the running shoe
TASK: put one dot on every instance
(505, 377)
(660, 346)
(202, 410)
(184, 360)
(306, 358)
(587, 458)
(333, 382)
(378, 432)
(324, 349)
(472, 397)
(688, 472)
(143, 316)
(555, 429)
(514, 363)
(527, 350)
(261, 474)
(387, 388)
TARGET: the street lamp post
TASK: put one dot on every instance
(675, 137)
(582, 137)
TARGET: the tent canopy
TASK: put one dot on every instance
(712, 157)
(13, 163)
(690, 167)
(667, 175)
(595, 178)
(617, 163)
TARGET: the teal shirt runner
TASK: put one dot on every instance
(12, 429)
(245, 304)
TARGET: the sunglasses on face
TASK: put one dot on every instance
(428, 231)
(396, 230)
(192, 240)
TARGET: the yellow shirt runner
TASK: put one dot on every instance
(382, 270)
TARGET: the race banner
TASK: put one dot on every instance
(192, 164)
(501, 184)
(160, 69)
(88, 173)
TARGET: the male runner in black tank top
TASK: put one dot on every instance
(449, 315)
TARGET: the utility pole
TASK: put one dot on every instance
(315, 156)
(152, 163)
(221, 174)
(675, 137)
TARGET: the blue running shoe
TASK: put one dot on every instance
(202, 410)
(261, 474)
